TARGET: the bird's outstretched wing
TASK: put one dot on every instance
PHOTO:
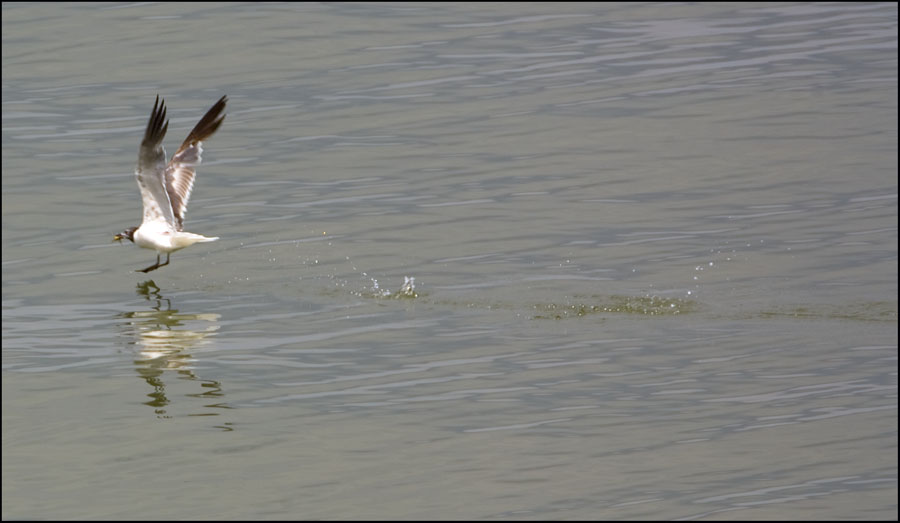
(151, 169)
(179, 174)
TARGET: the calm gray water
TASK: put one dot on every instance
(654, 250)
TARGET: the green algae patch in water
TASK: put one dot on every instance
(615, 304)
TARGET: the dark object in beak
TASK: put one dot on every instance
(127, 234)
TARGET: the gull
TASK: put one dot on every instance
(166, 187)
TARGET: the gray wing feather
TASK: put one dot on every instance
(151, 167)
(180, 173)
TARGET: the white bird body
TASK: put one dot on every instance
(162, 239)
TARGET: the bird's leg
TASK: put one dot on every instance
(167, 261)
(152, 267)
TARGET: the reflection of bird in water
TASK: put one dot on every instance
(166, 346)
(157, 327)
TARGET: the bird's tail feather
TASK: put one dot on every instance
(185, 239)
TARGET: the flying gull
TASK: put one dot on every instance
(166, 187)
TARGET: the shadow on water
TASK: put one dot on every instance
(168, 340)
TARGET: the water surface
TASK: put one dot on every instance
(654, 250)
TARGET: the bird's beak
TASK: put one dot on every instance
(118, 238)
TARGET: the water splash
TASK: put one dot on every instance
(407, 290)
